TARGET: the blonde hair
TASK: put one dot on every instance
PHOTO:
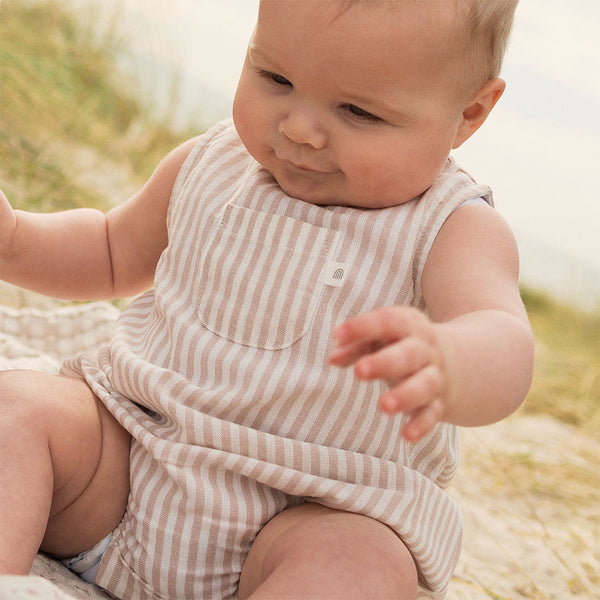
(489, 24)
(486, 25)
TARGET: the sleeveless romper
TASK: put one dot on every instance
(220, 374)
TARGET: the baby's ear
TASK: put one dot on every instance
(478, 108)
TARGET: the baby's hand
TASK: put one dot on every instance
(402, 346)
(7, 222)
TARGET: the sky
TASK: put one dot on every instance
(538, 151)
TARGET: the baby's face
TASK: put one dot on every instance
(352, 107)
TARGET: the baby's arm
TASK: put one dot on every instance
(83, 254)
(469, 362)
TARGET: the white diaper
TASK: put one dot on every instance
(86, 564)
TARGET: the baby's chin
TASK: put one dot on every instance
(335, 195)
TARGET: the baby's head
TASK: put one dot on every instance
(359, 102)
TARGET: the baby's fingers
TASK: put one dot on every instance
(420, 398)
(348, 354)
(381, 326)
(413, 393)
(423, 420)
(394, 362)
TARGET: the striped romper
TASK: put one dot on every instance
(220, 374)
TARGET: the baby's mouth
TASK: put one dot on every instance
(301, 166)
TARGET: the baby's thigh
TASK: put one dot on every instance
(314, 551)
(60, 418)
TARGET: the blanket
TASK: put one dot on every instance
(528, 486)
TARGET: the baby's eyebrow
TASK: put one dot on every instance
(255, 54)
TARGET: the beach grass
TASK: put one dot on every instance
(566, 382)
(71, 123)
(75, 131)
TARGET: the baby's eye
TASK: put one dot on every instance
(275, 78)
(280, 79)
(360, 113)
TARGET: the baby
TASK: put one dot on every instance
(219, 446)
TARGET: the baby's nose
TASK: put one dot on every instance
(302, 126)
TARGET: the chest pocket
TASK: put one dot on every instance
(260, 279)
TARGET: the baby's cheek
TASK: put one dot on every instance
(376, 185)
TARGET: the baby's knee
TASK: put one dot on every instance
(30, 399)
(19, 393)
(352, 543)
(321, 544)
(23, 414)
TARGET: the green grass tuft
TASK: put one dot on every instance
(567, 373)
(65, 106)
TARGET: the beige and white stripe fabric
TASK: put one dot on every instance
(220, 373)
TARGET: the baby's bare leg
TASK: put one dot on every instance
(315, 552)
(64, 472)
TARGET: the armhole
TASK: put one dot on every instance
(187, 165)
(481, 196)
(203, 142)
(478, 200)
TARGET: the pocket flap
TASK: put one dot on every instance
(261, 277)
